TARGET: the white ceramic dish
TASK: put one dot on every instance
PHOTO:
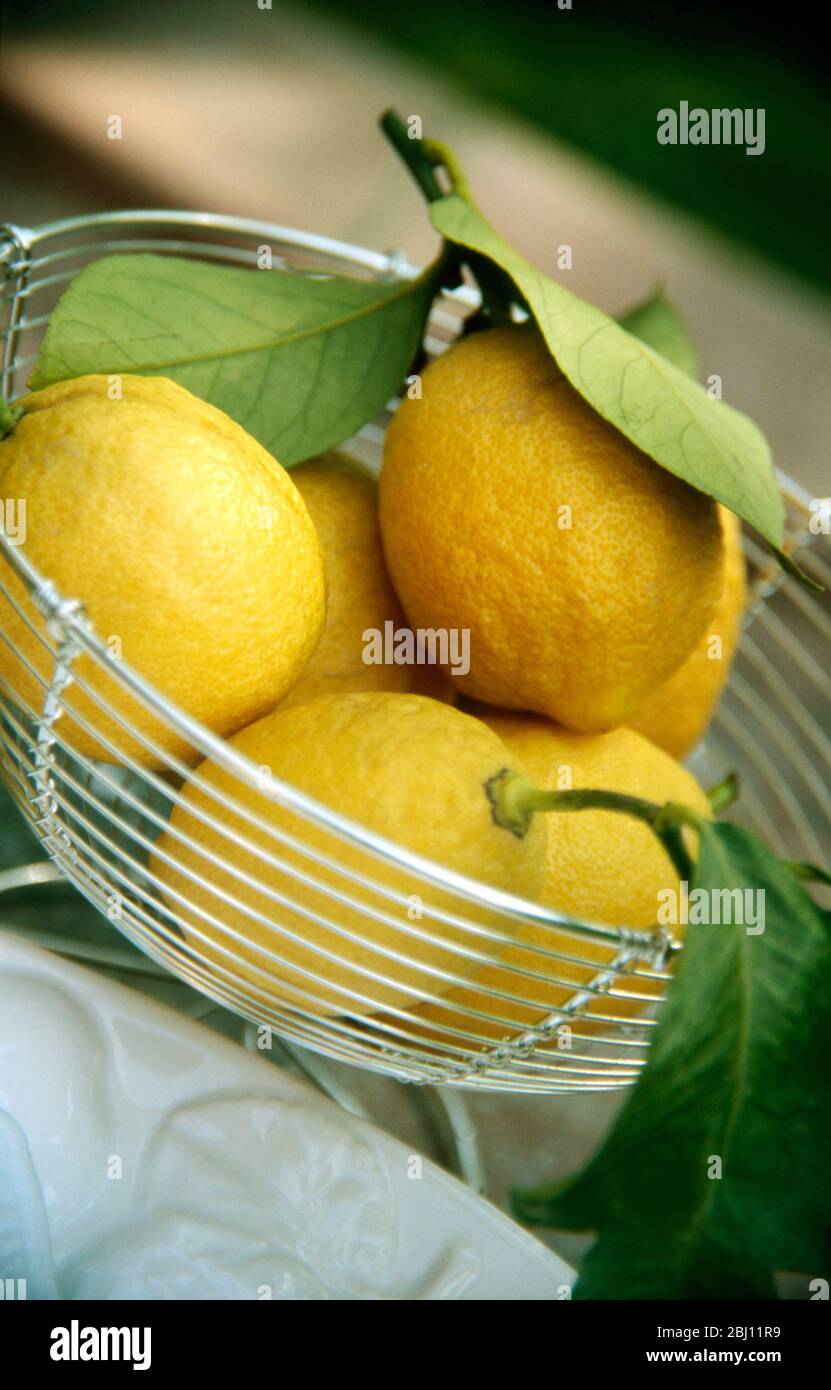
(142, 1156)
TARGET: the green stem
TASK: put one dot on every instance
(808, 873)
(672, 839)
(522, 800)
(515, 801)
(423, 158)
(414, 154)
(9, 416)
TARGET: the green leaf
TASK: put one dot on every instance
(300, 361)
(738, 1071)
(724, 793)
(653, 402)
(658, 324)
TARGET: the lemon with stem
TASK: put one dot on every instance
(403, 766)
(584, 572)
(605, 864)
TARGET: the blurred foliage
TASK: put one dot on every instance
(594, 75)
(597, 75)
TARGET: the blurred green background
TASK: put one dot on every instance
(594, 75)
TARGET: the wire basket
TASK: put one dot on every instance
(98, 820)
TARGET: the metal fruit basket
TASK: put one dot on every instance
(97, 821)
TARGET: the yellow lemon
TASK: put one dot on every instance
(189, 546)
(676, 714)
(342, 498)
(584, 572)
(601, 866)
(404, 766)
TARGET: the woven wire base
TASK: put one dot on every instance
(98, 821)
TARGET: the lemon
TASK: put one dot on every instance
(601, 866)
(584, 572)
(188, 544)
(342, 498)
(676, 714)
(407, 767)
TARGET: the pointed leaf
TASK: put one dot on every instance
(738, 1075)
(658, 324)
(300, 361)
(653, 402)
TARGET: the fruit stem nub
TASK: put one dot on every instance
(9, 416)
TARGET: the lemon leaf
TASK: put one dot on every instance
(650, 399)
(658, 324)
(715, 1174)
(301, 361)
